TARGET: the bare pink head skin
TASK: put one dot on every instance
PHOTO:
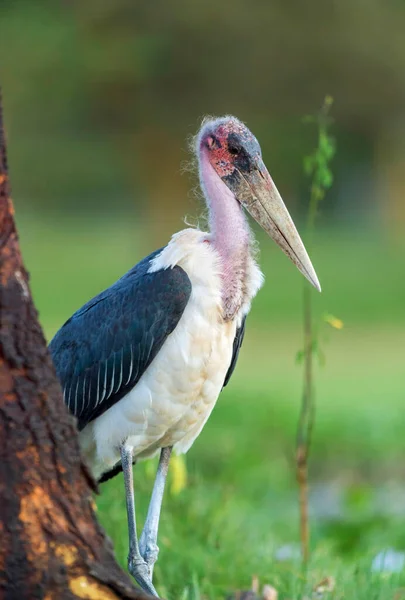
(234, 179)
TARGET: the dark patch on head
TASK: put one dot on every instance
(231, 146)
(234, 143)
(233, 181)
(245, 149)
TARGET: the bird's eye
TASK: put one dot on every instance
(233, 150)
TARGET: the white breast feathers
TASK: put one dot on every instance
(175, 396)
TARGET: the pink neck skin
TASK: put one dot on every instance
(230, 235)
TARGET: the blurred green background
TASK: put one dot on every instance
(100, 98)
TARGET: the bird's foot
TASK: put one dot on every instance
(141, 572)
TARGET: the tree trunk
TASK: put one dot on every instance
(51, 545)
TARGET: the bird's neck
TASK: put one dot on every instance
(230, 237)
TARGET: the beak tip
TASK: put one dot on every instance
(316, 284)
(311, 277)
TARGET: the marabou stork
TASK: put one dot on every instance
(143, 363)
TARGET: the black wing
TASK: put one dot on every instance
(101, 352)
(237, 343)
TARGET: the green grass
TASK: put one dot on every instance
(240, 504)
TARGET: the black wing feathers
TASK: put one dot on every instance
(237, 343)
(104, 348)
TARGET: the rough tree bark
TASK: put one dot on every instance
(51, 547)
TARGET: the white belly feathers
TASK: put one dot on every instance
(175, 396)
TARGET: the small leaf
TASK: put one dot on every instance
(178, 470)
(299, 357)
(308, 165)
(333, 321)
(327, 178)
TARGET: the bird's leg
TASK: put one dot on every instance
(148, 540)
(136, 564)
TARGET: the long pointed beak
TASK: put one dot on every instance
(262, 200)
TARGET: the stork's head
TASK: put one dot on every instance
(235, 155)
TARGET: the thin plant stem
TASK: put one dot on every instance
(317, 168)
(305, 426)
